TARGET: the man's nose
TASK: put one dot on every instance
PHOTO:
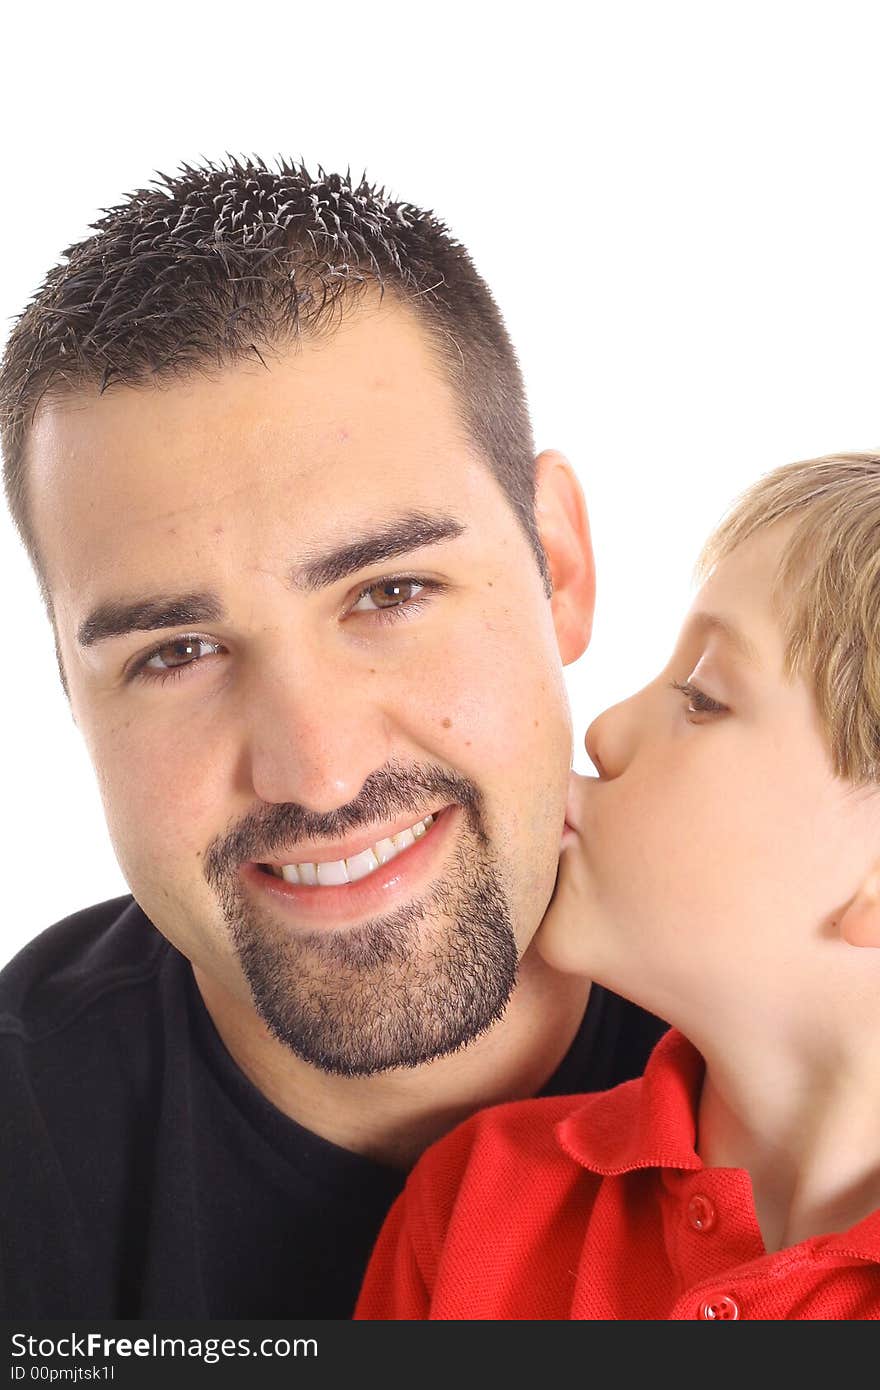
(316, 733)
(612, 738)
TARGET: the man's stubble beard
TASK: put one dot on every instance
(396, 991)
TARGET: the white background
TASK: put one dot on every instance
(677, 206)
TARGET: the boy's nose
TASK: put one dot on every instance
(611, 739)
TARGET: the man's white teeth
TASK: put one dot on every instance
(332, 873)
(358, 866)
(336, 871)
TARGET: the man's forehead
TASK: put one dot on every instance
(338, 427)
(375, 376)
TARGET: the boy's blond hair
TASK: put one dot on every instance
(828, 591)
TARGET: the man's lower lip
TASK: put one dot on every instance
(387, 887)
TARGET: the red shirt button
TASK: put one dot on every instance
(701, 1213)
(724, 1309)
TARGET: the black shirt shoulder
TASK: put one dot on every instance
(144, 1176)
(67, 968)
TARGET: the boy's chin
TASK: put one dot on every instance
(565, 939)
(564, 945)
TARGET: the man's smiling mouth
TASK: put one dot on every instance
(333, 873)
(362, 879)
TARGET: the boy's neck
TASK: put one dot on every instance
(806, 1130)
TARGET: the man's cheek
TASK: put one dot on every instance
(162, 804)
(492, 730)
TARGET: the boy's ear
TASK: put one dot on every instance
(564, 528)
(860, 923)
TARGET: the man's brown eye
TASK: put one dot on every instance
(395, 591)
(174, 659)
(179, 653)
(389, 593)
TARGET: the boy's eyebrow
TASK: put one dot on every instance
(118, 617)
(704, 623)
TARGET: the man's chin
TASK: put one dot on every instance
(396, 992)
(363, 1052)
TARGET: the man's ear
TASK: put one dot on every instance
(859, 924)
(564, 528)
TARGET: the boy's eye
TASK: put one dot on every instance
(698, 701)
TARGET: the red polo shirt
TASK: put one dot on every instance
(599, 1207)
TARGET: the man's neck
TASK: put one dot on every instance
(393, 1116)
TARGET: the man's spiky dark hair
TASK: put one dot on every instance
(221, 261)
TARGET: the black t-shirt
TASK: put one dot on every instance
(143, 1176)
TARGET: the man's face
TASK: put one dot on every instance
(339, 628)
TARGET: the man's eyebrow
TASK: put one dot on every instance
(705, 623)
(119, 617)
(396, 537)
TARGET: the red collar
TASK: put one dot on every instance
(647, 1123)
(652, 1123)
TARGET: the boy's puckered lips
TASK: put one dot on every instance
(574, 805)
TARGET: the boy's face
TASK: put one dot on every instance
(719, 846)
